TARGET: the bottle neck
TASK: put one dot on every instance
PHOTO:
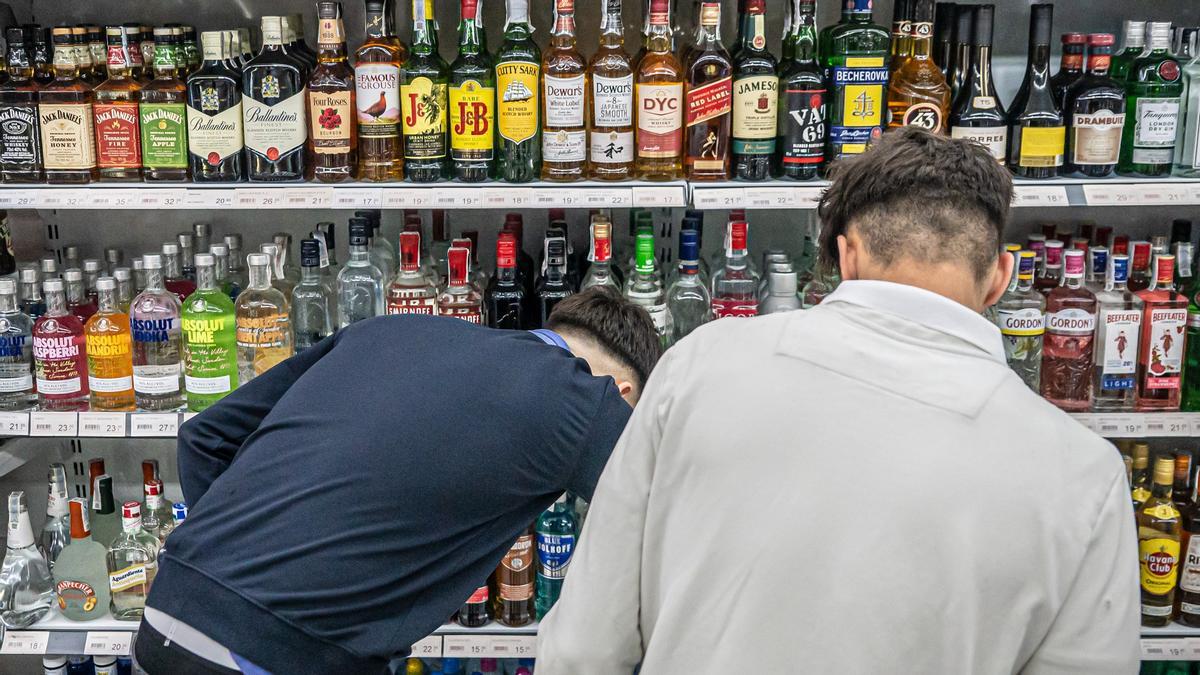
(165, 60)
(331, 41)
(359, 254)
(74, 292)
(424, 39)
(612, 31)
(709, 34)
(1099, 60)
(470, 33)
(516, 26)
(806, 34)
(563, 35)
(260, 277)
(206, 278)
(754, 33)
(170, 268)
(31, 290)
(65, 67)
(310, 275)
(56, 303)
(107, 301)
(8, 303)
(376, 24)
(658, 35)
(154, 279)
(921, 40)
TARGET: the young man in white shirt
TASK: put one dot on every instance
(864, 487)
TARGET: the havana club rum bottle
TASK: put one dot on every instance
(1036, 132)
(377, 97)
(332, 134)
(274, 93)
(854, 53)
(423, 101)
(800, 146)
(610, 107)
(163, 109)
(20, 147)
(977, 112)
(755, 98)
(1160, 361)
(472, 100)
(918, 94)
(65, 119)
(1158, 546)
(1095, 113)
(518, 66)
(1152, 94)
(118, 142)
(658, 99)
(564, 94)
(708, 95)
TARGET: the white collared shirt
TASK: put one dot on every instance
(864, 487)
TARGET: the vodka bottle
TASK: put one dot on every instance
(32, 303)
(688, 299)
(460, 299)
(312, 304)
(157, 342)
(56, 532)
(1118, 330)
(278, 280)
(77, 300)
(26, 587)
(124, 279)
(410, 291)
(237, 272)
(172, 273)
(555, 534)
(781, 292)
(360, 283)
(1020, 314)
(645, 288)
(157, 518)
(80, 574)
(209, 326)
(220, 254)
(132, 563)
(110, 353)
(264, 331)
(600, 272)
(16, 352)
(59, 353)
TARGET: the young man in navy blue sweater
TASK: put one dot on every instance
(346, 502)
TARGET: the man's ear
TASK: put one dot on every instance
(1001, 275)
(627, 391)
(847, 259)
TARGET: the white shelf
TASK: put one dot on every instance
(1142, 425)
(1174, 642)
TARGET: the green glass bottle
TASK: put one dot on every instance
(1134, 45)
(1190, 401)
(210, 338)
(1152, 94)
(423, 101)
(518, 116)
(854, 53)
(472, 100)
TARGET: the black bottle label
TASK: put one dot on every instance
(19, 144)
(802, 122)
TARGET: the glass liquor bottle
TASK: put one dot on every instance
(278, 280)
(555, 535)
(56, 531)
(118, 140)
(20, 147)
(1134, 39)
(377, 97)
(472, 99)
(26, 587)
(157, 342)
(552, 286)
(1020, 313)
(32, 304)
(332, 136)
(214, 114)
(658, 95)
(1189, 562)
(917, 93)
(264, 331)
(360, 283)
(312, 303)
(977, 112)
(514, 577)
(781, 292)
(645, 288)
(410, 292)
(273, 115)
(1119, 330)
(735, 286)
(77, 301)
(564, 96)
(755, 98)
(1158, 524)
(163, 110)
(1070, 68)
(210, 339)
(220, 253)
(16, 357)
(800, 146)
(1187, 142)
(105, 521)
(901, 45)
(1095, 114)
(460, 299)
(173, 278)
(610, 105)
(109, 352)
(91, 274)
(953, 51)
(476, 611)
(423, 101)
(1152, 101)
(505, 296)
(518, 110)
(1067, 350)
(237, 274)
(854, 53)
(1160, 360)
(189, 54)
(293, 26)
(1140, 277)
(43, 62)
(90, 71)
(156, 516)
(708, 95)
(132, 562)
(60, 354)
(688, 299)
(1051, 274)
(1036, 133)
(80, 573)
(600, 271)
(65, 119)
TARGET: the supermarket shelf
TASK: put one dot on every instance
(1141, 425)
(449, 195)
(1174, 642)
(93, 424)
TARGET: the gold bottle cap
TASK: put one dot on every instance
(1164, 470)
(1141, 455)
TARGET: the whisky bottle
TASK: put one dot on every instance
(20, 147)
(146, 45)
(800, 146)
(1095, 114)
(854, 53)
(332, 135)
(189, 53)
(755, 98)
(377, 97)
(133, 42)
(423, 100)
(1152, 94)
(163, 109)
(708, 94)
(564, 94)
(66, 124)
(610, 107)
(273, 98)
(978, 114)
(518, 66)
(214, 114)
(472, 99)
(90, 72)
(1158, 547)
(1036, 133)
(118, 140)
(658, 96)
(43, 61)
(97, 49)
(917, 93)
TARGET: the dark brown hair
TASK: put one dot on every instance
(622, 328)
(920, 196)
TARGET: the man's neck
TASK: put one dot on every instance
(946, 280)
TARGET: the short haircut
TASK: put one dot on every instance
(620, 327)
(916, 195)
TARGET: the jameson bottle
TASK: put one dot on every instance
(708, 100)
(118, 140)
(210, 339)
(854, 54)
(610, 107)
(977, 113)
(564, 100)
(423, 101)
(472, 99)
(157, 342)
(214, 114)
(1152, 94)
(273, 115)
(163, 108)
(377, 97)
(16, 356)
(518, 69)
(332, 137)
(755, 98)
(20, 147)
(1036, 132)
(800, 145)
(1095, 114)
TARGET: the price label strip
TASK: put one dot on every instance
(14, 424)
(430, 647)
(25, 642)
(108, 643)
(1162, 649)
(770, 198)
(358, 198)
(718, 198)
(154, 425)
(514, 646)
(308, 198)
(53, 424)
(102, 425)
(1041, 195)
(659, 196)
(467, 646)
(1120, 426)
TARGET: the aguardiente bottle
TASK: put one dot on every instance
(210, 338)
(80, 574)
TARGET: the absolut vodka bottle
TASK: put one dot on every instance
(157, 342)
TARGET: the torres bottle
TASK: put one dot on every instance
(118, 141)
(273, 98)
(423, 101)
(1095, 113)
(708, 96)
(1036, 134)
(1152, 90)
(564, 100)
(755, 98)
(65, 118)
(377, 97)
(854, 54)
(472, 100)
(977, 111)
(610, 106)
(20, 147)
(163, 111)
(518, 66)
(918, 94)
(658, 100)
(332, 135)
(800, 147)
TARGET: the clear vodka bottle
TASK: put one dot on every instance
(139, 274)
(1118, 331)
(460, 299)
(645, 288)
(32, 303)
(264, 331)
(56, 533)
(16, 352)
(735, 286)
(278, 280)
(220, 254)
(26, 587)
(125, 293)
(238, 278)
(688, 299)
(312, 306)
(132, 563)
(600, 272)
(360, 283)
(1021, 316)
(203, 237)
(410, 291)
(157, 342)
(286, 264)
(781, 291)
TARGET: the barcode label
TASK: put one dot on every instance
(155, 424)
(102, 425)
(53, 424)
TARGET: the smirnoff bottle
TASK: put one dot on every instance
(59, 353)
(1020, 313)
(1067, 349)
(16, 357)
(1160, 360)
(157, 342)
(461, 299)
(600, 272)
(1119, 329)
(505, 296)
(410, 292)
(26, 587)
(56, 532)
(735, 288)
(132, 563)
(80, 574)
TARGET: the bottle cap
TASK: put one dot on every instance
(1074, 264)
(783, 282)
(219, 250)
(258, 260)
(138, 264)
(359, 229)
(102, 284)
(1100, 39)
(121, 274)
(179, 511)
(131, 509)
(1120, 268)
(1073, 38)
(233, 241)
(73, 274)
(154, 261)
(1164, 470)
(506, 251)
(15, 36)
(91, 265)
(170, 249)
(52, 285)
(205, 260)
(1025, 264)
(7, 287)
(29, 275)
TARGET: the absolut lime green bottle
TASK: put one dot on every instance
(210, 339)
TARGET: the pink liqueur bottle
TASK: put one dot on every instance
(1067, 353)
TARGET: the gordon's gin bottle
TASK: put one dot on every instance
(1067, 347)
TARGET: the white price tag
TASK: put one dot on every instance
(564, 198)
(467, 646)
(102, 425)
(308, 198)
(14, 424)
(495, 198)
(154, 424)
(358, 198)
(428, 648)
(1121, 426)
(122, 199)
(53, 424)
(659, 196)
(1163, 649)
(25, 641)
(808, 197)
(1160, 195)
(1155, 425)
(519, 197)
(1176, 424)
(770, 198)
(51, 198)
(272, 199)
(608, 198)
(7, 198)
(108, 643)
(149, 199)
(400, 198)
(79, 199)
(514, 646)
(173, 199)
(1086, 419)
(452, 198)
(219, 199)
(718, 198)
(1041, 195)
(250, 197)
(1192, 645)
(1192, 194)
(21, 198)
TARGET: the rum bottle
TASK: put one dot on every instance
(132, 562)
(564, 98)
(26, 586)
(1067, 350)
(264, 331)
(1158, 547)
(708, 94)
(109, 352)
(1134, 39)
(1152, 95)
(59, 354)
(658, 96)
(977, 113)
(800, 146)
(555, 534)
(518, 70)
(1036, 131)
(410, 292)
(1160, 360)
(210, 339)
(755, 98)
(20, 147)
(472, 98)
(313, 311)
(157, 342)
(514, 603)
(1095, 112)
(214, 114)
(610, 106)
(423, 101)
(118, 139)
(460, 299)
(377, 97)
(274, 94)
(918, 94)
(163, 108)
(360, 283)
(65, 119)
(1119, 329)
(80, 573)
(16, 357)
(854, 53)
(505, 297)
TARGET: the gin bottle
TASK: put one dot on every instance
(264, 331)
(360, 283)
(1187, 141)
(110, 353)
(16, 355)
(1020, 314)
(688, 299)
(1152, 96)
(132, 563)
(312, 306)
(157, 342)
(1160, 354)
(410, 292)
(56, 532)
(1119, 328)
(645, 288)
(26, 587)
(210, 352)
(80, 574)
(460, 299)
(59, 354)
(555, 534)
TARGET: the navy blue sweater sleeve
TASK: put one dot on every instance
(607, 425)
(209, 441)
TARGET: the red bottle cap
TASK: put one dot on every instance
(410, 251)
(149, 470)
(1074, 264)
(1054, 251)
(458, 260)
(1074, 38)
(737, 235)
(1121, 244)
(1141, 254)
(1166, 270)
(1101, 39)
(506, 251)
(131, 510)
(153, 488)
